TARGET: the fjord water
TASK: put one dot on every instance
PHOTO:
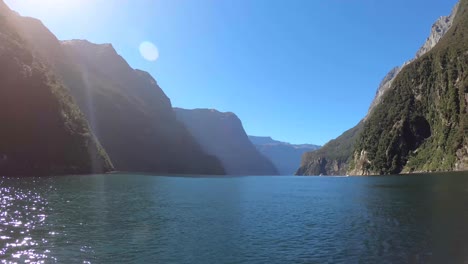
(149, 219)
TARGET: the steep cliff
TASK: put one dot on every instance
(43, 130)
(439, 29)
(325, 161)
(422, 122)
(285, 156)
(222, 135)
(131, 115)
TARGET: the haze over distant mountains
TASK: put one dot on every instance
(418, 120)
(223, 136)
(285, 156)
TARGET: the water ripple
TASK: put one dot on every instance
(22, 216)
(141, 219)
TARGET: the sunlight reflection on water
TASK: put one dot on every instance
(123, 218)
(22, 216)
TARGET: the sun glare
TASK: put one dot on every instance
(149, 51)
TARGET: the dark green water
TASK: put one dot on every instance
(145, 219)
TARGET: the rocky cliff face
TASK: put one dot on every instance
(439, 29)
(222, 135)
(43, 131)
(422, 122)
(286, 157)
(127, 110)
(313, 162)
(384, 86)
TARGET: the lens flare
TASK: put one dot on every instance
(149, 51)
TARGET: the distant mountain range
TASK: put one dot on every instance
(418, 121)
(285, 156)
(223, 136)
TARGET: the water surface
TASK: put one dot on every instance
(148, 219)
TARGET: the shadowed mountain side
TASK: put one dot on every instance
(222, 135)
(132, 116)
(129, 113)
(43, 131)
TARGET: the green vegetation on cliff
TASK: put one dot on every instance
(334, 157)
(418, 121)
(421, 124)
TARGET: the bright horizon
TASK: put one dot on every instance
(298, 71)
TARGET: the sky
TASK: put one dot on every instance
(300, 71)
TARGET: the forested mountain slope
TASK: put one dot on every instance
(327, 162)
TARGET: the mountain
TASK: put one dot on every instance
(285, 156)
(222, 135)
(353, 145)
(333, 158)
(43, 132)
(132, 116)
(422, 122)
(126, 109)
(263, 140)
(269, 141)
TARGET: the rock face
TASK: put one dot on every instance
(43, 131)
(126, 109)
(222, 135)
(439, 29)
(422, 122)
(384, 86)
(286, 157)
(326, 161)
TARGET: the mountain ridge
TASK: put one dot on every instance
(438, 30)
(285, 156)
(269, 140)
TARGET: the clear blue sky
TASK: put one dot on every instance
(301, 71)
